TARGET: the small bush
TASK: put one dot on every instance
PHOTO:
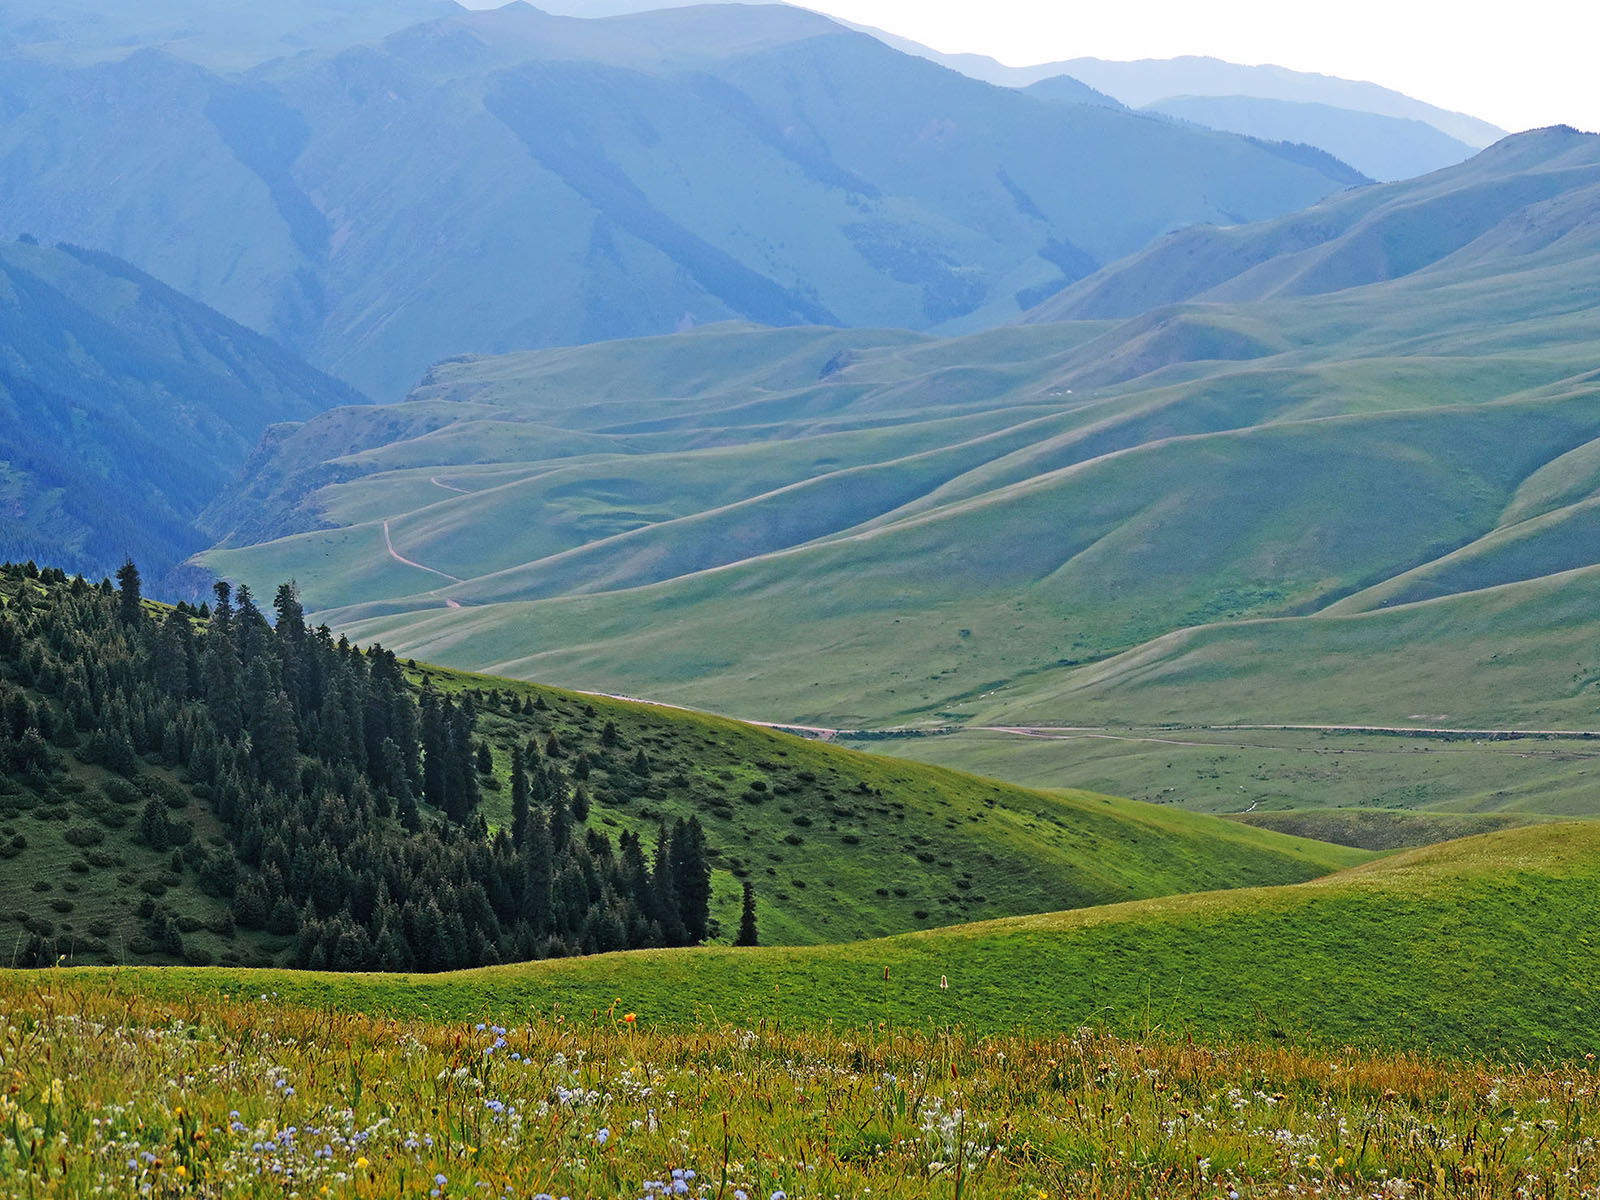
(84, 835)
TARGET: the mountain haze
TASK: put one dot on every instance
(495, 180)
(1382, 147)
(127, 407)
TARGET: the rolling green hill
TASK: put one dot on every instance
(1000, 507)
(698, 165)
(837, 844)
(1484, 944)
(124, 408)
(1527, 193)
(1072, 523)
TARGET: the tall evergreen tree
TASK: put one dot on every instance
(691, 873)
(747, 918)
(519, 799)
(130, 610)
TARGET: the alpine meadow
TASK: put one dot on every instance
(638, 600)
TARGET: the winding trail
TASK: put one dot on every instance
(437, 482)
(401, 558)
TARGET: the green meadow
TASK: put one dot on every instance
(1480, 945)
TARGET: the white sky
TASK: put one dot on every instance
(1518, 65)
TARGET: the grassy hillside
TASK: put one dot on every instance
(1382, 829)
(1080, 523)
(838, 845)
(751, 162)
(126, 408)
(1482, 944)
(1523, 192)
(1235, 769)
(842, 844)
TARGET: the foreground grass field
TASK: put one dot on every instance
(249, 1096)
(1480, 945)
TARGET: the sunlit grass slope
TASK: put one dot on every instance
(842, 845)
(1483, 943)
(838, 844)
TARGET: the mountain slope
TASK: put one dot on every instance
(1533, 192)
(1382, 147)
(127, 408)
(686, 166)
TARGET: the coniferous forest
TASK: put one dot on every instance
(339, 800)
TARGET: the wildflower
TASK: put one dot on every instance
(601, 1136)
(362, 1163)
(629, 1018)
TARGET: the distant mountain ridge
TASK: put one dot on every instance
(1384, 148)
(495, 180)
(1382, 133)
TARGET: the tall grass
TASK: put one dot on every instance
(119, 1095)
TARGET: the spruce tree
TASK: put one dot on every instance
(519, 799)
(666, 904)
(130, 611)
(747, 918)
(691, 872)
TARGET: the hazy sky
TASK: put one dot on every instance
(1519, 65)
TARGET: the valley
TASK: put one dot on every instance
(687, 518)
(712, 601)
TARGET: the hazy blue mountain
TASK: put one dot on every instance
(1150, 80)
(1067, 90)
(222, 33)
(504, 179)
(1528, 192)
(1381, 133)
(1384, 148)
(124, 408)
(1147, 82)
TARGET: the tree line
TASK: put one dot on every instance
(349, 795)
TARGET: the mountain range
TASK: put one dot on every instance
(494, 180)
